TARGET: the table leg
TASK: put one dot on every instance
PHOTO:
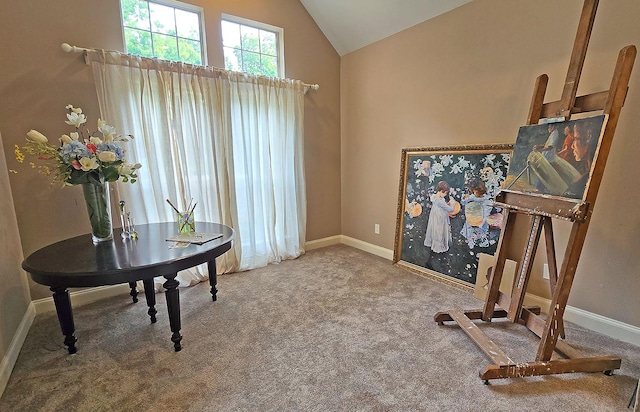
(213, 279)
(150, 295)
(173, 307)
(65, 317)
(134, 292)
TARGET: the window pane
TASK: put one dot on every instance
(250, 38)
(190, 51)
(232, 59)
(188, 24)
(252, 48)
(251, 62)
(154, 30)
(268, 42)
(165, 47)
(135, 13)
(162, 19)
(269, 66)
(230, 34)
(138, 42)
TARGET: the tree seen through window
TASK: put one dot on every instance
(157, 30)
(250, 49)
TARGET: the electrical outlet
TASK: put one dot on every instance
(376, 229)
(545, 271)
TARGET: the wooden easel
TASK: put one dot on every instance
(542, 209)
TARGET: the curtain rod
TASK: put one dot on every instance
(68, 48)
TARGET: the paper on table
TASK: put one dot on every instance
(194, 237)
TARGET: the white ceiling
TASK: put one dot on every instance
(352, 24)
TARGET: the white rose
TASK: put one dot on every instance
(37, 137)
(107, 156)
(95, 140)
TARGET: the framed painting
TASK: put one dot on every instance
(446, 216)
(556, 158)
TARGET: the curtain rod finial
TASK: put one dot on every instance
(68, 48)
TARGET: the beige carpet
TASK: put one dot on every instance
(335, 330)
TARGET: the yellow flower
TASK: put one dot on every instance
(19, 155)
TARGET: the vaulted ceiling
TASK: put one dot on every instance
(352, 24)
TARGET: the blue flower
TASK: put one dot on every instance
(74, 150)
(111, 147)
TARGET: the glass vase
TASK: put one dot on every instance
(96, 197)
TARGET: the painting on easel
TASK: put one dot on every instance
(446, 216)
(555, 158)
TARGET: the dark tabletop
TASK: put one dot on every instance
(77, 262)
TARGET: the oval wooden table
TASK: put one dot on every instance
(78, 262)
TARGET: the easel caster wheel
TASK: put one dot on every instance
(486, 381)
(608, 373)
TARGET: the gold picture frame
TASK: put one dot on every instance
(474, 223)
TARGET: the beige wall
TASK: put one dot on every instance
(37, 81)
(466, 77)
(14, 294)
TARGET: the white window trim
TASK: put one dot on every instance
(178, 5)
(264, 26)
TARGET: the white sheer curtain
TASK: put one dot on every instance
(230, 141)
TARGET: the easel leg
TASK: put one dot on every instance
(634, 398)
(524, 269)
(561, 293)
(496, 273)
(551, 261)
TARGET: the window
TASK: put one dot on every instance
(165, 29)
(252, 47)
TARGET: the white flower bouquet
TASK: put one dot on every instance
(82, 157)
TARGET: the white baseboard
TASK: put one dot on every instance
(368, 247)
(597, 323)
(82, 297)
(9, 359)
(324, 242)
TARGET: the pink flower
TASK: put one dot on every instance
(76, 165)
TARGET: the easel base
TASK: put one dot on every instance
(606, 364)
(504, 367)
